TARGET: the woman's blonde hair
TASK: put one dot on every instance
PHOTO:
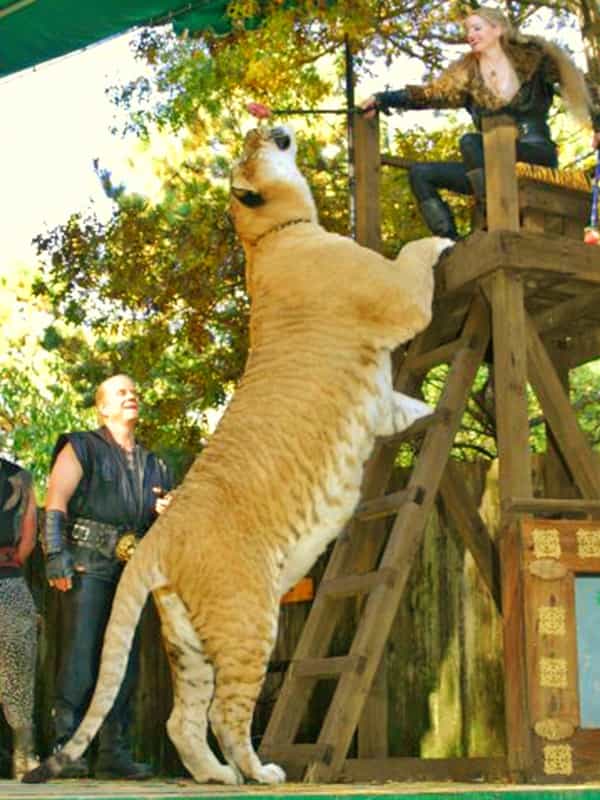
(574, 91)
(496, 18)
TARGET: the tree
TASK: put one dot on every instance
(160, 286)
(36, 401)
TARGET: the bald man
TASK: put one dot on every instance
(103, 486)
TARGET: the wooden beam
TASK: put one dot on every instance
(545, 505)
(500, 153)
(568, 258)
(553, 199)
(483, 253)
(295, 753)
(472, 530)
(441, 355)
(385, 506)
(557, 479)
(567, 312)
(361, 770)
(367, 181)
(583, 347)
(574, 447)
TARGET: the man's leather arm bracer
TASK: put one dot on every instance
(55, 532)
(59, 563)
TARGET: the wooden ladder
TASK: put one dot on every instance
(377, 571)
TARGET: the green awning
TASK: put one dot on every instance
(34, 31)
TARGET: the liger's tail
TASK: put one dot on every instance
(139, 578)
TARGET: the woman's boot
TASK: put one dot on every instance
(438, 217)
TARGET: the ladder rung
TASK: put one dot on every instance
(383, 506)
(327, 667)
(541, 505)
(352, 585)
(297, 753)
(421, 364)
(416, 429)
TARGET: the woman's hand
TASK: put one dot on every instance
(369, 107)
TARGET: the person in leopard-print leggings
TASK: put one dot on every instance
(18, 617)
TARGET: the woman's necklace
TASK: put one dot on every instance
(500, 78)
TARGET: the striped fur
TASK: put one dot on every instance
(281, 475)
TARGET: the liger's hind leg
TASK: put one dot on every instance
(241, 664)
(193, 685)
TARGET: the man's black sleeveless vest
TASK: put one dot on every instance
(15, 484)
(110, 492)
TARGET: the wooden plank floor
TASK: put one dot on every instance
(180, 788)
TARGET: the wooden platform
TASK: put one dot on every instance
(173, 789)
(74, 790)
(561, 286)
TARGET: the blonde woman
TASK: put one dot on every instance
(504, 73)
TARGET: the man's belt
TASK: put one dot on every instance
(8, 557)
(109, 540)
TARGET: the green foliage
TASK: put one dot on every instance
(585, 398)
(158, 290)
(36, 401)
(33, 413)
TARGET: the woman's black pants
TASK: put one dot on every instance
(426, 179)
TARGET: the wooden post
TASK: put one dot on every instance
(502, 200)
(519, 739)
(373, 726)
(367, 182)
(506, 295)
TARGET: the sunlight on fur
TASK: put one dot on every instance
(281, 475)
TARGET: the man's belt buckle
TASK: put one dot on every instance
(81, 532)
(125, 546)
